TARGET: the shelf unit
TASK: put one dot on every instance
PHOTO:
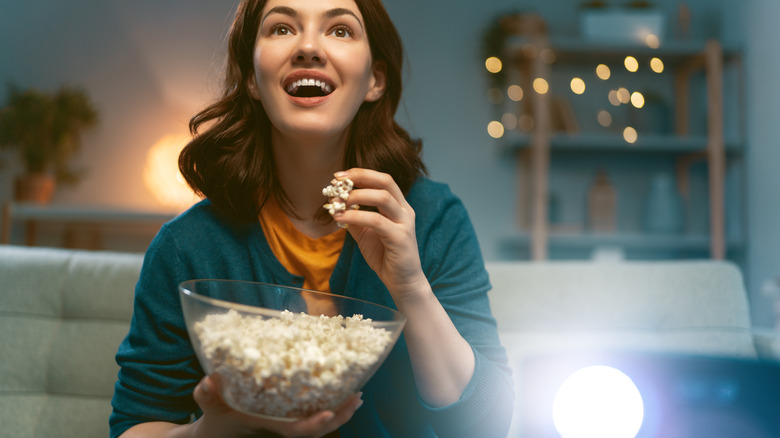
(534, 150)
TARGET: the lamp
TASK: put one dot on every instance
(162, 176)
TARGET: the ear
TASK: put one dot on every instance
(376, 87)
(251, 86)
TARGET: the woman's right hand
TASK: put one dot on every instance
(219, 419)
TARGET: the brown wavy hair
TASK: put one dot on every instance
(231, 161)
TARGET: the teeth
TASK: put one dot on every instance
(309, 83)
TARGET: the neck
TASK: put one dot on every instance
(305, 166)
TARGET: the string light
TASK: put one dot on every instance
(515, 93)
(657, 65)
(493, 64)
(577, 86)
(541, 86)
(631, 64)
(495, 129)
(637, 99)
(630, 135)
(603, 72)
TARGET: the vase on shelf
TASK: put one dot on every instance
(663, 206)
(602, 202)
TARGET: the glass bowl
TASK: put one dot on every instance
(282, 352)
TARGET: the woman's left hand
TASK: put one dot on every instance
(386, 237)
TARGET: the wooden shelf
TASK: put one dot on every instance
(613, 142)
(626, 241)
(529, 56)
(573, 50)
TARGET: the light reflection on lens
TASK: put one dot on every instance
(598, 402)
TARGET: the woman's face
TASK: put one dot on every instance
(313, 66)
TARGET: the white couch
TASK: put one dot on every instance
(64, 312)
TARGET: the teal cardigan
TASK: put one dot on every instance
(159, 370)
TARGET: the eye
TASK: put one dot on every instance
(281, 30)
(341, 32)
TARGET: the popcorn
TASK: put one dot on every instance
(338, 192)
(292, 366)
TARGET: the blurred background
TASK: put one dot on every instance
(148, 66)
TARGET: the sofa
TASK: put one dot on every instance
(64, 312)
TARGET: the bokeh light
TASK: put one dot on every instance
(495, 129)
(604, 118)
(637, 99)
(631, 64)
(577, 86)
(657, 65)
(603, 72)
(509, 121)
(515, 93)
(630, 135)
(541, 86)
(493, 64)
(652, 41)
(623, 95)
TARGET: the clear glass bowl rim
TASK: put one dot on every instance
(187, 288)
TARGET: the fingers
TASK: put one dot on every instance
(207, 394)
(371, 179)
(325, 422)
(378, 190)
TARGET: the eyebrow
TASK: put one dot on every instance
(331, 13)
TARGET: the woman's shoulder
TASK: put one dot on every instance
(429, 195)
(199, 221)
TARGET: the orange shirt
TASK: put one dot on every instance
(313, 259)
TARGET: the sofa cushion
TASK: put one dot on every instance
(46, 416)
(63, 314)
(579, 295)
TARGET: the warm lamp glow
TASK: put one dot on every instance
(162, 176)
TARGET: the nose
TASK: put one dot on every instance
(309, 50)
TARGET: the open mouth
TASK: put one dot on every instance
(309, 88)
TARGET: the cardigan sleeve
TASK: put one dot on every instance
(453, 263)
(158, 367)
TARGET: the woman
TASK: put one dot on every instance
(311, 88)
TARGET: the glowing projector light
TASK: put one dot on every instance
(598, 402)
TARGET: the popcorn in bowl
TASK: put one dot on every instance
(275, 360)
(291, 366)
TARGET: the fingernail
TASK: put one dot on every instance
(340, 175)
(329, 416)
(205, 386)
